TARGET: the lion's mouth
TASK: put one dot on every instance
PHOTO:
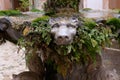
(62, 42)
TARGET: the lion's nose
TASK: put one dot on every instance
(63, 37)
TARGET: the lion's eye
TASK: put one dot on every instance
(56, 25)
(70, 25)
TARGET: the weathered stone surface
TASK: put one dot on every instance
(11, 61)
(111, 59)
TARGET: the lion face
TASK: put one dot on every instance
(63, 29)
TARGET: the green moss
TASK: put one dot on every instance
(43, 18)
(36, 10)
(10, 13)
(2, 13)
(86, 9)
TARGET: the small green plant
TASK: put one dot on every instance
(24, 4)
(115, 23)
(54, 6)
(10, 13)
(89, 23)
(86, 9)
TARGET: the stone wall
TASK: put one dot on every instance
(5, 4)
(114, 4)
(39, 4)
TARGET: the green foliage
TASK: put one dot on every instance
(53, 6)
(41, 26)
(24, 4)
(10, 13)
(89, 23)
(115, 23)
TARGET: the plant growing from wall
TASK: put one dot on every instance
(24, 4)
(114, 23)
(55, 6)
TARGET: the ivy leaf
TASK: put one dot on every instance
(48, 40)
(44, 34)
(94, 42)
